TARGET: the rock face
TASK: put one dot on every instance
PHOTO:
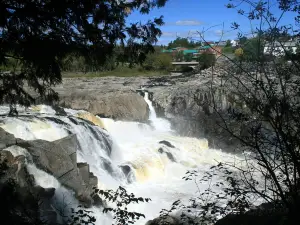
(183, 99)
(107, 97)
(57, 158)
(25, 202)
(187, 104)
(164, 220)
(6, 139)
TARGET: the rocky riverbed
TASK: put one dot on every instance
(111, 97)
(183, 99)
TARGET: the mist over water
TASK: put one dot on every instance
(156, 169)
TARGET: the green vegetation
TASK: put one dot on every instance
(42, 34)
(228, 43)
(117, 72)
(158, 62)
(183, 42)
(239, 53)
(188, 57)
(179, 56)
(253, 49)
(227, 50)
(35, 46)
(207, 60)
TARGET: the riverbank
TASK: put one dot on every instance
(118, 72)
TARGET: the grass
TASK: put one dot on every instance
(118, 72)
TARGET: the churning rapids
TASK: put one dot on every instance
(111, 147)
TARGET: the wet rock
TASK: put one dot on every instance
(44, 192)
(59, 159)
(167, 144)
(56, 120)
(169, 220)
(126, 169)
(25, 199)
(107, 165)
(129, 174)
(169, 154)
(84, 171)
(93, 180)
(125, 105)
(59, 110)
(98, 201)
(6, 139)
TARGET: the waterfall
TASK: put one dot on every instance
(159, 124)
(152, 114)
(148, 159)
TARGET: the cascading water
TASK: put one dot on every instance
(156, 169)
(160, 124)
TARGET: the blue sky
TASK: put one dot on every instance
(184, 17)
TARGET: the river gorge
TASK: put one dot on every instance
(116, 132)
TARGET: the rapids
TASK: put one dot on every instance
(156, 170)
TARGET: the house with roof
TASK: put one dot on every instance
(221, 43)
(279, 48)
(209, 47)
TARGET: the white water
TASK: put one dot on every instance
(134, 144)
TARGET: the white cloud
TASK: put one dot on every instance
(219, 33)
(188, 23)
(168, 34)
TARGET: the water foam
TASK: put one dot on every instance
(158, 169)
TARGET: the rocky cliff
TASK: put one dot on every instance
(57, 158)
(108, 97)
(187, 103)
(184, 99)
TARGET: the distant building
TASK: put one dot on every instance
(190, 51)
(221, 43)
(234, 43)
(279, 48)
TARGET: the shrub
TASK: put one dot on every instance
(188, 57)
(163, 62)
(158, 62)
(207, 60)
(239, 52)
(227, 49)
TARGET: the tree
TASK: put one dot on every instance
(228, 43)
(183, 42)
(163, 62)
(243, 40)
(40, 34)
(206, 60)
(158, 61)
(188, 57)
(263, 116)
(253, 49)
(267, 100)
(179, 56)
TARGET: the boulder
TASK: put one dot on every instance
(105, 96)
(169, 154)
(164, 220)
(119, 105)
(24, 201)
(167, 144)
(265, 214)
(129, 174)
(6, 139)
(59, 159)
(59, 110)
